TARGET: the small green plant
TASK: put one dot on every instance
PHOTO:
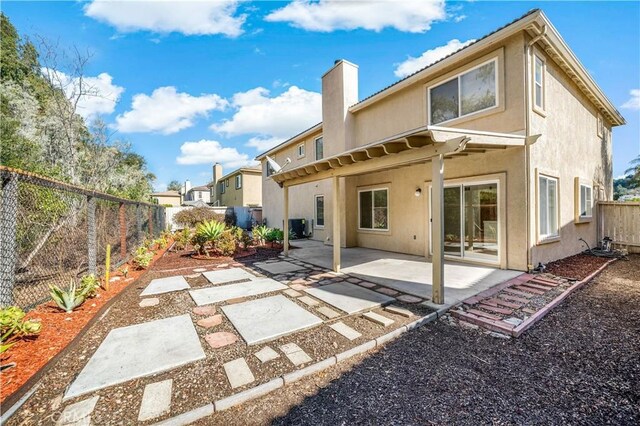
(124, 271)
(260, 234)
(160, 243)
(275, 235)
(226, 243)
(206, 235)
(68, 299)
(142, 257)
(182, 238)
(89, 285)
(13, 326)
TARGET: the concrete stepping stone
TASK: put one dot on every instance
(366, 284)
(292, 293)
(309, 301)
(328, 312)
(200, 270)
(387, 291)
(165, 285)
(228, 275)
(261, 320)
(354, 280)
(238, 373)
(211, 321)
(222, 265)
(266, 354)
(378, 319)
(300, 287)
(78, 413)
(399, 311)
(156, 400)
(207, 296)
(204, 310)
(220, 339)
(278, 267)
(192, 276)
(348, 297)
(139, 350)
(295, 354)
(409, 299)
(151, 301)
(345, 330)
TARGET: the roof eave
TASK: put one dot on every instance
(291, 140)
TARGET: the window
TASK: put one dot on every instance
(238, 181)
(320, 211)
(465, 94)
(319, 148)
(374, 209)
(538, 82)
(222, 188)
(586, 201)
(226, 182)
(300, 150)
(270, 169)
(547, 207)
(199, 195)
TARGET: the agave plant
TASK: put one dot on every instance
(68, 299)
(210, 230)
(260, 234)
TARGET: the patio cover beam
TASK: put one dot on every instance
(336, 223)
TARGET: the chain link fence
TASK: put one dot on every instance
(52, 233)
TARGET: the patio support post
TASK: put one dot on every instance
(336, 224)
(285, 225)
(437, 226)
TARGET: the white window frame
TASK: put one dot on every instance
(315, 147)
(588, 213)
(372, 190)
(238, 181)
(300, 150)
(226, 182)
(542, 84)
(315, 211)
(222, 187)
(458, 76)
(546, 236)
(590, 191)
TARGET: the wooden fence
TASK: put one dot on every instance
(621, 222)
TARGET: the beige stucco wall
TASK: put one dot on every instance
(164, 199)
(250, 194)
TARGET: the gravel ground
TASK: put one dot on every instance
(579, 365)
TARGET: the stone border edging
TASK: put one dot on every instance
(281, 381)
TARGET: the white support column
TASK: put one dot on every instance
(437, 229)
(336, 224)
(285, 226)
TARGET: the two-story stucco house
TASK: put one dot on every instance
(240, 188)
(495, 154)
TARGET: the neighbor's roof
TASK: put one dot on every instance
(166, 194)
(199, 188)
(256, 169)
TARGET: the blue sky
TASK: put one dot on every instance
(202, 81)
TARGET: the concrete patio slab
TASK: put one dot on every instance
(135, 351)
(348, 297)
(228, 275)
(262, 320)
(279, 267)
(238, 373)
(206, 296)
(165, 285)
(156, 400)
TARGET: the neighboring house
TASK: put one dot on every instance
(167, 198)
(240, 188)
(495, 155)
(196, 194)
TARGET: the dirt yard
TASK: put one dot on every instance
(578, 365)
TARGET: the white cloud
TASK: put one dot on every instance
(634, 100)
(412, 64)
(96, 95)
(375, 15)
(209, 152)
(166, 111)
(271, 119)
(167, 16)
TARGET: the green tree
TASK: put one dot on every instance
(174, 185)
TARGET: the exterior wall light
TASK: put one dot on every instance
(418, 192)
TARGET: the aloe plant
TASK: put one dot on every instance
(68, 299)
(89, 285)
(13, 326)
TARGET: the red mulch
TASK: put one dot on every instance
(579, 266)
(58, 330)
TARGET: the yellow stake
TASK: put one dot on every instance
(107, 268)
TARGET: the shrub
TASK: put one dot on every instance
(89, 285)
(206, 235)
(13, 326)
(230, 217)
(182, 238)
(226, 244)
(246, 239)
(68, 299)
(275, 235)
(260, 234)
(194, 216)
(142, 257)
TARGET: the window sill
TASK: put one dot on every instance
(374, 231)
(540, 111)
(583, 219)
(549, 240)
(321, 227)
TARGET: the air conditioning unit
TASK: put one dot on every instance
(298, 227)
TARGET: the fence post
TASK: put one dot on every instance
(8, 247)
(138, 223)
(92, 236)
(150, 214)
(123, 231)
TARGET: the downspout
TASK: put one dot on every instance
(527, 148)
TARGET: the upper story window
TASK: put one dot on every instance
(319, 148)
(226, 182)
(300, 150)
(538, 82)
(467, 93)
(222, 187)
(238, 181)
(547, 207)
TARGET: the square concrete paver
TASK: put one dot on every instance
(295, 354)
(267, 319)
(140, 350)
(238, 373)
(165, 285)
(156, 400)
(228, 275)
(348, 297)
(206, 296)
(278, 267)
(78, 413)
(345, 330)
(266, 354)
